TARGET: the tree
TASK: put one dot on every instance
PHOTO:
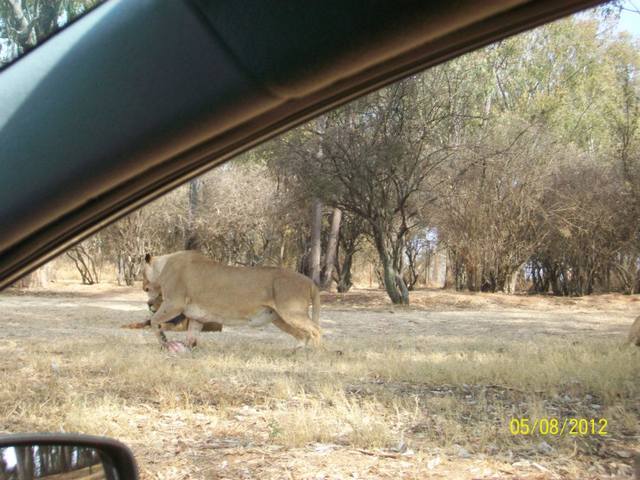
(518, 161)
(88, 259)
(379, 154)
(332, 248)
(128, 240)
(316, 232)
(192, 242)
(517, 190)
(491, 216)
(625, 125)
(350, 238)
(26, 23)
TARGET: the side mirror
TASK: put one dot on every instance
(60, 456)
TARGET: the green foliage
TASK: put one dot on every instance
(492, 151)
(523, 153)
(24, 24)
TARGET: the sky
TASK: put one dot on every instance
(630, 20)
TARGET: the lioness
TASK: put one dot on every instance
(192, 285)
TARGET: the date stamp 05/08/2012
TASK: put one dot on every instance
(575, 427)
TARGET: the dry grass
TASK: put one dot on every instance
(418, 402)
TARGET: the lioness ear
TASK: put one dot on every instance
(147, 258)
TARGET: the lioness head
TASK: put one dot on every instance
(149, 285)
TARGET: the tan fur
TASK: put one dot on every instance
(180, 327)
(208, 292)
(634, 333)
(137, 325)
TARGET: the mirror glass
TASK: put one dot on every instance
(55, 462)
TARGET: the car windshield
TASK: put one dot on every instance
(25, 24)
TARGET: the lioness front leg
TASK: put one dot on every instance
(162, 338)
(164, 314)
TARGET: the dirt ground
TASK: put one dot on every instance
(427, 378)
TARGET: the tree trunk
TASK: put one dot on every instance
(120, 269)
(85, 262)
(450, 271)
(283, 249)
(412, 270)
(47, 17)
(512, 280)
(39, 278)
(344, 277)
(192, 240)
(474, 276)
(26, 33)
(393, 282)
(332, 247)
(316, 230)
(403, 288)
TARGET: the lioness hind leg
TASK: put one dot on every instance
(285, 327)
(292, 307)
(300, 327)
(298, 334)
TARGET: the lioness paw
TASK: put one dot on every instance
(176, 348)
